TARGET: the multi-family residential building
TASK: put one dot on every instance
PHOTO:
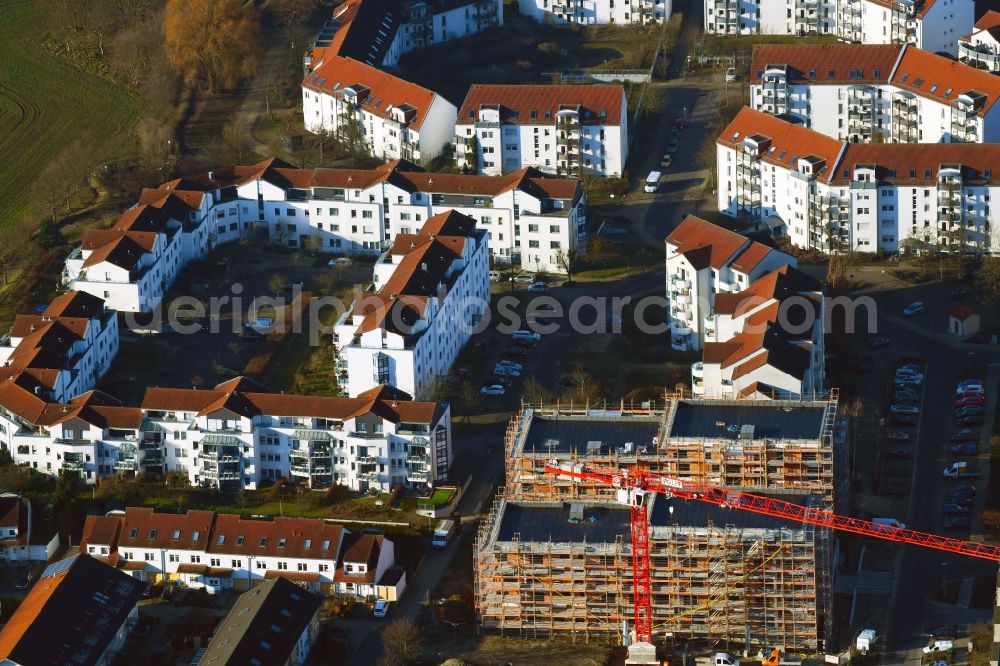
(237, 436)
(877, 93)
(273, 624)
(704, 260)
(79, 612)
(432, 290)
(981, 47)
(562, 129)
(19, 541)
(66, 349)
(834, 196)
(203, 549)
(346, 94)
(933, 25)
(597, 12)
(767, 340)
(529, 218)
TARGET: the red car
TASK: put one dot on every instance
(969, 400)
(679, 123)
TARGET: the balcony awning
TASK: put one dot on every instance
(221, 440)
(312, 435)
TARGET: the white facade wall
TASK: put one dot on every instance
(944, 24)
(981, 51)
(597, 12)
(446, 326)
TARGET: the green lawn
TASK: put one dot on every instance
(45, 105)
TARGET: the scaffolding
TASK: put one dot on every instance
(710, 582)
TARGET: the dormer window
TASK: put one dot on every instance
(281, 542)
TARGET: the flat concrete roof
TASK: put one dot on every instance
(567, 434)
(602, 523)
(717, 419)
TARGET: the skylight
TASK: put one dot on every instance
(263, 541)
(152, 534)
(934, 87)
(239, 540)
(918, 82)
(221, 540)
(133, 533)
(904, 77)
(176, 535)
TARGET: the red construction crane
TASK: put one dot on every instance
(634, 484)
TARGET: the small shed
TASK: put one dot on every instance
(963, 322)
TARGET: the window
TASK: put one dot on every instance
(133, 533)
(149, 557)
(152, 534)
(239, 540)
(263, 541)
(174, 557)
(221, 540)
(195, 535)
(302, 566)
(307, 543)
(282, 566)
(281, 542)
(176, 535)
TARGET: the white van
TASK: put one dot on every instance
(495, 276)
(652, 182)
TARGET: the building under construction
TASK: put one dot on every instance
(554, 555)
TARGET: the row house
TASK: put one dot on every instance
(19, 540)
(702, 261)
(981, 47)
(561, 129)
(767, 341)
(68, 347)
(597, 12)
(215, 552)
(80, 611)
(238, 436)
(933, 25)
(92, 435)
(276, 622)
(530, 219)
(833, 197)
(432, 290)
(346, 92)
(881, 94)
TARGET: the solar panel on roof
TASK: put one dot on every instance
(59, 567)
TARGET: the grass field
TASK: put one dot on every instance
(45, 105)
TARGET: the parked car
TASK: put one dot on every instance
(525, 343)
(957, 293)
(495, 276)
(652, 182)
(671, 146)
(526, 278)
(492, 390)
(903, 419)
(731, 74)
(878, 342)
(906, 394)
(963, 435)
(970, 399)
(970, 410)
(899, 453)
(970, 385)
(904, 409)
(679, 123)
(964, 449)
(913, 309)
(538, 287)
(381, 608)
(952, 509)
(23, 583)
(904, 381)
(497, 380)
(534, 336)
(956, 523)
(666, 160)
(514, 352)
(911, 367)
(340, 262)
(964, 494)
(975, 420)
(510, 364)
(897, 435)
(964, 488)
(506, 370)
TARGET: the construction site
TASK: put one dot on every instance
(555, 555)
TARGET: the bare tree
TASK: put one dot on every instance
(213, 42)
(566, 259)
(402, 639)
(277, 283)
(237, 137)
(534, 393)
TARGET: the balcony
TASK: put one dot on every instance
(73, 465)
(418, 477)
(680, 297)
(127, 465)
(680, 283)
(152, 461)
(300, 470)
(415, 459)
(369, 477)
(367, 460)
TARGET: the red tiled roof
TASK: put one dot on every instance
(750, 257)
(921, 7)
(694, 233)
(385, 90)
(75, 304)
(827, 63)
(991, 19)
(912, 163)
(943, 79)
(101, 530)
(961, 312)
(121, 248)
(540, 104)
(781, 142)
(14, 513)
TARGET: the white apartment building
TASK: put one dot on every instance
(203, 549)
(346, 93)
(561, 129)
(834, 196)
(881, 93)
(237, 436)
(432, 289)
(767, 340)
(981, 47)
(933, 25)
(703, 260)
(596, 12)
(66, 349)
(528, 217)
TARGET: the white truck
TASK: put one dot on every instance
(962, 470)
(443, 533)
(726, 659)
